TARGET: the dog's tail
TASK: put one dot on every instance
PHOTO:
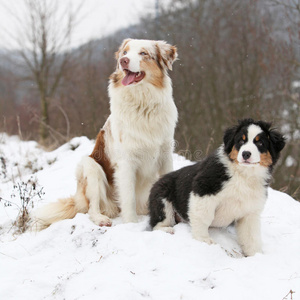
(54, 212)
(65, 208)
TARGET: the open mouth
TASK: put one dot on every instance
(132, 77)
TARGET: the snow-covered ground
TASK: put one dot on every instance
(75, 259)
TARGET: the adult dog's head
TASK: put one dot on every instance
(143, 61)
(253, 144)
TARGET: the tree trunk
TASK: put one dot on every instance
(44, 132)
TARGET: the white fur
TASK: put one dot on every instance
(143, 121)
(253, 131)
(242, 200)
(169, 221)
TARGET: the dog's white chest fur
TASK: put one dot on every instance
(143, 119)
(241, 195)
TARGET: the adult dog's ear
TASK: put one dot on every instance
(228, 138)
(166, 54)
(277, 140)
(123, 45)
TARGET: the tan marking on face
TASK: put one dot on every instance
(154, 74)
(101, 158)
(265, 159)
(244, 137)
(257, 138)
(146, 51)
(234, 154)
(122, 47)
(127, 48)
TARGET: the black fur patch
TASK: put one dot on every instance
(204, 178)
(211, 177)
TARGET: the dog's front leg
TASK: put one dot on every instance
(201, 214)
(166, 159)
(125, 181)
(248, 232)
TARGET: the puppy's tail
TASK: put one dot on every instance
(54, 212)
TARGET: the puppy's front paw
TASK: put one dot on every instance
(251, 251)
(166, 229)
(206, 240)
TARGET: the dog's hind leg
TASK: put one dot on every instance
(162, 216)
(95, 190)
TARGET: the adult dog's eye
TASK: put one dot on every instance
(125, 52)
(143, 53)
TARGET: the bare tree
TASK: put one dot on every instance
(44, 37)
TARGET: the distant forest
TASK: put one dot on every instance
(236, 59)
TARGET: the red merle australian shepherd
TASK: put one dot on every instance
(134, 147)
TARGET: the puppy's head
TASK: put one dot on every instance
(253, 143)
(140, 61)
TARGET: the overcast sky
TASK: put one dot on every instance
(101, 17)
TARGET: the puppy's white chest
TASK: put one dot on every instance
(235, 202)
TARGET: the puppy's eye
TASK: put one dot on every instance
(241, 142)
(259, 143)
(143, 53)
(125, 52)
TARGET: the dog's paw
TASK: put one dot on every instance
(102, 220)
(169, 230)
(251, 251)
(206, 240)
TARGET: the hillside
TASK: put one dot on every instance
(75, 259)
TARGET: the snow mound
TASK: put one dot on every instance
(75, 259)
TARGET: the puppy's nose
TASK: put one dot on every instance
(246, 155)
(124, 61)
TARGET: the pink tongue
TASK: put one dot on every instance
(129, 78)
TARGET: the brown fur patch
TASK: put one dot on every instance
(122, 48)
(257, 138)
(172, 52)
(166, 54)
(234, 154)
(244, 137)
(266, 159)
(147, 55)
(116, 78)
(126, 48)
(101, 158)
(160, 59)
(154, 74)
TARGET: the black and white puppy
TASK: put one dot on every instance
(228, 186)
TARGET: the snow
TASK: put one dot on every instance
(75, 259)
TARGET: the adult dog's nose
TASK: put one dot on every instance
(124, 61)
(246, 155)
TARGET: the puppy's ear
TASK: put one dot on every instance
(277, 140)
(166, 54)
(123, 45)
(228, 138)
